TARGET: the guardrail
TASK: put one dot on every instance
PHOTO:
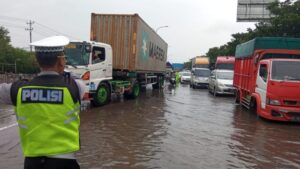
(11, 77)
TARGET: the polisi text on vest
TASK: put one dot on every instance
(41, 95)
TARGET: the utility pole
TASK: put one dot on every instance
(30, 30)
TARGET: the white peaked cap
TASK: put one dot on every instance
(51, 44)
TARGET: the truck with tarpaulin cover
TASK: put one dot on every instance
(123, 56)
(267, 78)
(200, 62)
(225, 62)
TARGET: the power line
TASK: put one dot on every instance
(41, 33)
(13, 26)
(30, 23)
(12, 18)
(53, 30)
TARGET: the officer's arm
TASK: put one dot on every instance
(5, 93)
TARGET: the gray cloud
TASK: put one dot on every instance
(194, 26)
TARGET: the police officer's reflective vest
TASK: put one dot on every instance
(48, 116)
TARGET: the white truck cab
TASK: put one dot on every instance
(92, 62)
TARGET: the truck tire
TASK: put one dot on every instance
(155, 86)
(237, 97)
(102, 95)
(134, 93)
(160, 83)
(253, 105)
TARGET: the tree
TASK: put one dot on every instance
(9, 55)
(187, 65)
(285, 22)
(286, 18)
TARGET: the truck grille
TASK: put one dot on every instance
(291, 103)
(293, 114)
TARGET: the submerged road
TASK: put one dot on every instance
(180, 129)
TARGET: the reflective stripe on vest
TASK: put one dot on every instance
(48, 121)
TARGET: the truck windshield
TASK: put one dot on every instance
(225, 75)
(202, 72)
(286, 70)
(76, 55)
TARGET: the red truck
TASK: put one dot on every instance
(225, 62)
(267, 77)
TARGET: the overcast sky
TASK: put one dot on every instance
(194, 26)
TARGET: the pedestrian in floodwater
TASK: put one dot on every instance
(47, 109)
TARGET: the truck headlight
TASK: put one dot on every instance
(273, 102)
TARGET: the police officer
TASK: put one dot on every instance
(47, 109)
(177, 77)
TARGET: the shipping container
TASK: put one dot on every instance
(136, 46)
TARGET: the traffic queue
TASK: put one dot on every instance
(263, 76)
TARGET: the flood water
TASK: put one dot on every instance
(180, 129)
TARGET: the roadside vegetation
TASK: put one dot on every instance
(11, 56)
(285, 22)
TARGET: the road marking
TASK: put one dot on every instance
(9, 126)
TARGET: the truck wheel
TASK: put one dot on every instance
(237, 97)
(159, 84)
(102, 95)
(252, 106)
(155, 86)
(134, 93)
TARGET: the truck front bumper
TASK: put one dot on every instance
(281, 113)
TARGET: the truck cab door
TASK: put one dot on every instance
(261, 83)
(98, 63)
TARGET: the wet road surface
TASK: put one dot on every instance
(180, 129)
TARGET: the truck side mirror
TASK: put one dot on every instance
(256, 59)
(88, 48)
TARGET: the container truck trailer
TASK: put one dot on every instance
(123, 56)
(267, 78)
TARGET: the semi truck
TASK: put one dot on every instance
(124, 55)
(267, 78)
(225, 62)
(200, 62)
